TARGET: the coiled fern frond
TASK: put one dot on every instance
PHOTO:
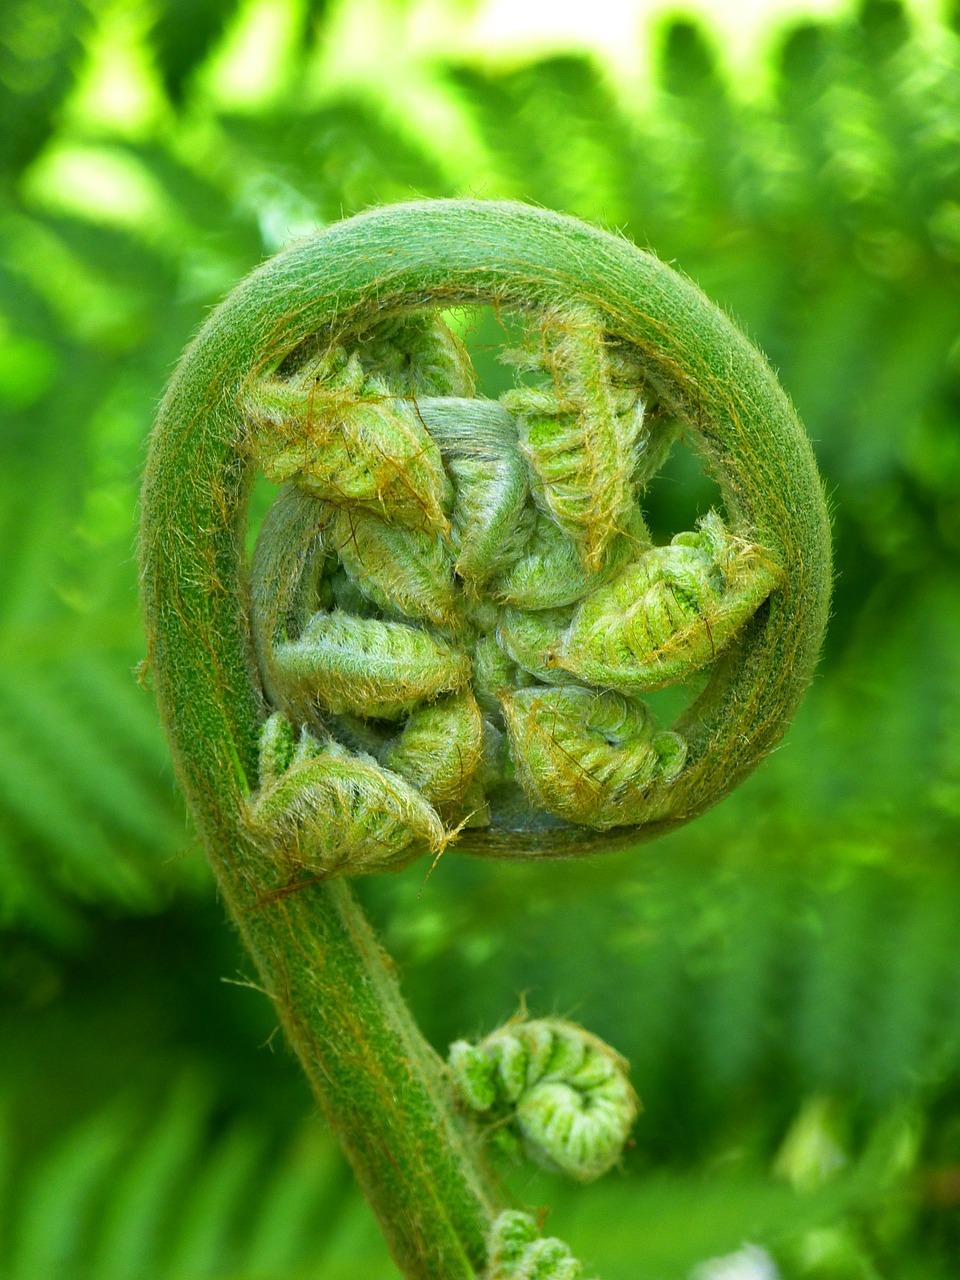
(389, 679)
(567, 1093)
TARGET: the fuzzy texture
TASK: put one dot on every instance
(591, 757)
(327, 811)
(405, 627)
(401, 571)
(583, 431)
(368, 666)
(665, 614)
(669, 613)
(440, 750)
(530, 638)
(348, 440)
(547, 572)
(544, 518)
(381, 1087)
(478, 444)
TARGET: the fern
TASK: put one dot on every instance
(137, 1193)
(341, 156)
(184, 34)
(88, 803)
(823, 219)
(862, 356)
(818, 960)
(36, 73)
(589, 160)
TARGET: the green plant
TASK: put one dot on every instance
(446, 625)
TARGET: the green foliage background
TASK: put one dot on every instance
(783, 975)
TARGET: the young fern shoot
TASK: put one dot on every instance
(444, 639)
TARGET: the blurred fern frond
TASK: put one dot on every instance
(38, 51)
(139, 1193)
(339, 157)
(184, 33)
(90, 814)
(557, 134)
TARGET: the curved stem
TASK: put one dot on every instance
(381, 1086)
(384, 1091)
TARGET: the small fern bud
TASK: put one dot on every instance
(516, 1251)
(566, 1093)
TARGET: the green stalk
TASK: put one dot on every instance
(382, 1088)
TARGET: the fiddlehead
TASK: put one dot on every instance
(565, 1093)
(517, 1251)
(452, 611)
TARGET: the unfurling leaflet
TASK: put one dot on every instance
(368, 666)
(582, 430)
(591, 757)
(670, 612)
(566, 1094)
(328, 811)
(348, 441)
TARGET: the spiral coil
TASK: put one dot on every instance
(450, 612)
(566, 1094)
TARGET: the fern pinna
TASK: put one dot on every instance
(378, 686)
